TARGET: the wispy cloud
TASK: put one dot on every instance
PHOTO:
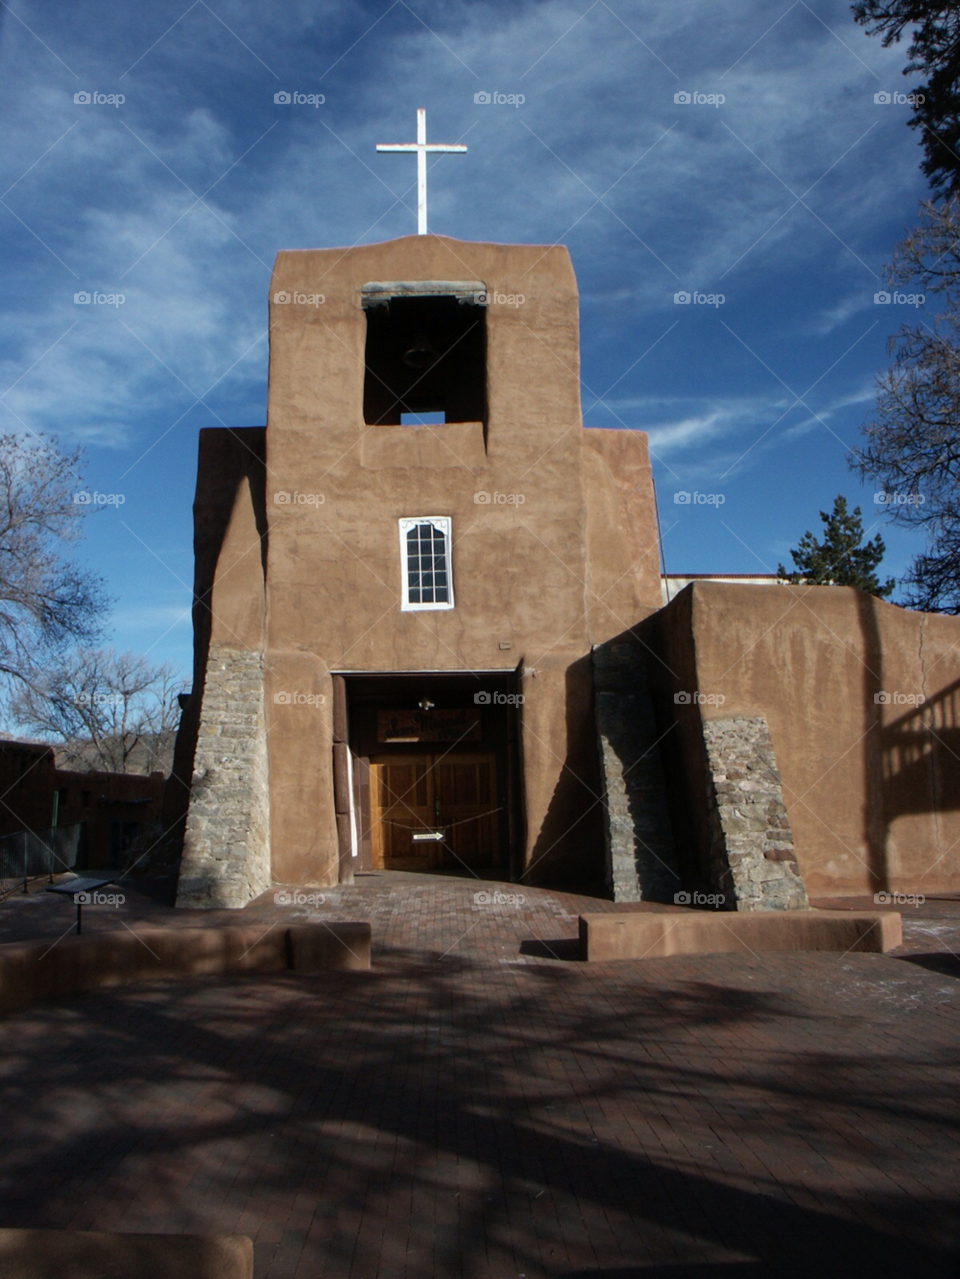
(651, 195)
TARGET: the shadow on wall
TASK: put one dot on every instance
(902, 760)
(920, 757)
(911, 761)
(569, 846)
(875, 821)
(921, 750)
(667, 641)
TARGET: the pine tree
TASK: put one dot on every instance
(839, 559)
(933, 28)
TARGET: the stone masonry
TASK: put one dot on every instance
(752, 859)
(641, 859)
(226, 850)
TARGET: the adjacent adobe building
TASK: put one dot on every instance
(107, 813)
(430, 635)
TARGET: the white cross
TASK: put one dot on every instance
(421, 147)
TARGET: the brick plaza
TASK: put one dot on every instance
(482, 1104)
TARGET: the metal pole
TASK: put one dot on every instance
(663, 558)
(421, 171)
(53, 828)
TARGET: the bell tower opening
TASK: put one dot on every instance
(425, 358)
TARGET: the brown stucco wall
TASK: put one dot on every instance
(525, 574)
(623, 550)
(569, 562)
(872, 794)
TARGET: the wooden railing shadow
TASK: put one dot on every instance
(920, 753)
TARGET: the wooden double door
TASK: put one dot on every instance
(434, 811)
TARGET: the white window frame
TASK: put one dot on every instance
(443, 524)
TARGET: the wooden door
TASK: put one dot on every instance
(469, 813)
(423, 794)
(402, 801)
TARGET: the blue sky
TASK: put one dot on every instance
(786, 198)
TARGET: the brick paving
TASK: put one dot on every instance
(475, 1106)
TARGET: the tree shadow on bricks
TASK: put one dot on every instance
(946, 963)
(453, 1118)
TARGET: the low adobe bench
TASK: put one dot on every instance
(94, 1254)
(42, 970)
(654, 934)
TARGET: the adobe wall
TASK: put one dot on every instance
(872, 788)
(623, 545)
(29, 778)
(26, 786)
(130, 797)
(522, 573)
(540, 579)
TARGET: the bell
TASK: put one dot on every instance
(420, 354)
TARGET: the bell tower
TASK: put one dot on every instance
(435, 546)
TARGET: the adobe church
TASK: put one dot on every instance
(429, 633)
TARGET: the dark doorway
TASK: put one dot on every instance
(435, 772)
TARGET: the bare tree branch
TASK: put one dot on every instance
(913, 437)
(105, 710)
(46, 603)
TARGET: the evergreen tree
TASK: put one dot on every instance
(933, 28)
(839, 559)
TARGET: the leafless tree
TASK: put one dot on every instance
(46, 603)
(104, 710)
(913, 438)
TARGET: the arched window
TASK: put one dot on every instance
(426, 563)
